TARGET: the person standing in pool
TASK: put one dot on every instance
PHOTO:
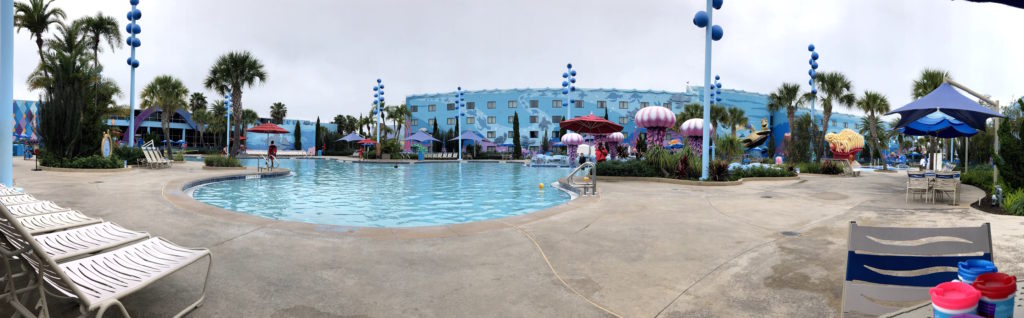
(272, 153)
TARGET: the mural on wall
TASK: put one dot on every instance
(26, 119)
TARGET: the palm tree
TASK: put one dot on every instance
(787, 96)
(399, 114)
(249, 117)
(718, 116)
(691, 110)
(197, 106)
(930, 80)
(737, 118)
(834, 89)
(36, 16)
(874, 104)
(277, 112)
(168, 93)
(230, 74)
(99, 29)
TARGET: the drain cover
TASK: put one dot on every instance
(96, 182)
(790, 233)
(766, 197)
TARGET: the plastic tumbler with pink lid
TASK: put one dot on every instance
(953, 298)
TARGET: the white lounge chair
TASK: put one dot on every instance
(34, 208)
(98, 282)
(17, 199)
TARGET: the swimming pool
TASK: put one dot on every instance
(380, 195)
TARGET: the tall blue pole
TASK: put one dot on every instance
(6, 91)
(705, 142)
(133, 30)
(227, 104)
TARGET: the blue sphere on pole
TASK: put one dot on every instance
(129, 16)
(378, 80)
(565, 91)
(717, 4)
(573, 88)
(814, 65)
(717, 32)
(718, 99)
(133, 2)
(814, 91)
(565, 84)
(135, 63)
(375, 88)
(565, 75)
(134, 28)
(810, 82)
(572, 72)
(810, 47)
(717, 77)
(572, 101)
(718, 85)
(135, 14)
(701, 19)
(568, 66)
(572, 80)
(814, 56)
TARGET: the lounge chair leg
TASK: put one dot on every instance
(103, 309)
(202, 296)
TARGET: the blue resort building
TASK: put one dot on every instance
(490, 112)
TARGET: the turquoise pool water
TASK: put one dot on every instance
(378, 195)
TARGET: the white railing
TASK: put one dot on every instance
(589, 184)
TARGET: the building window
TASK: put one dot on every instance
(490, 134)
(667, 105)
(451, 106)
(431, 108)
(414, 122)
(491, 105)
(414, 108)
(644, 104)
(430, 122)
(579, 104)
(623, 105)
(556, 104)
(510, 135)
(470, 120)
(846, 125)
(534, 103)
(511, 119)
(534, 134)
(533, 119)
(602, 104)
(556, 119)
(623, 120)
(490, 119)
(554, 133)
(451, 121)
(511, 104)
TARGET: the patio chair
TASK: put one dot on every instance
(917, 183)
(945, 183)
(889, 268)
(98, 282)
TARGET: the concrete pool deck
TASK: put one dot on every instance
(641, 249)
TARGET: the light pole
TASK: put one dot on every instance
(568, 86)
(227, 104)
(7, 91)
(460, 102)
(716, 97)
(378, 110)
(133, 30)
(703, 19)
(813, 73)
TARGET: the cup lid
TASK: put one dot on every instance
(995, 285)
(954, 295)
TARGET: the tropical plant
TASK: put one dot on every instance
(317, 142)
(545, 145)
(1010, 159)
(834, 89)
(517, 149)
(800, 148)
(249, 118)
(36, 16)
(231, 73)
(298, 136)
(874, 104)
(729, 148)
(691, 110)
(787, 97)
(718, 116)
(99, 29)
(399, 114)
(69, 125)
(167, 93)
(929, 80)
(737, 118)
(277, 112)
(221, 161)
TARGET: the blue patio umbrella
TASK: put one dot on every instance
(949, 101)
(469, 135)
(1012, 3)
(421, 137)
(939, 125)
(351, 137)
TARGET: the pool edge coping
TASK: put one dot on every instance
(177, 192)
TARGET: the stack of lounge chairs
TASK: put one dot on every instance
(441, 156)
(50, 251)
(154, 158)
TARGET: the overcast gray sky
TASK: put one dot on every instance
(323, 56)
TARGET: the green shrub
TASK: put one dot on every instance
(819, 168)
(1013, 202)
(340, 152)
(978, 176)
(131, 154)
(718, 170)
(91, 162)
(221, 161)
(760, 172)
(628, 168)
(179, 156)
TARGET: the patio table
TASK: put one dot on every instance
(925, 310)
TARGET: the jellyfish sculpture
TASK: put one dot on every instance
(613, 140)
(572, 141)
(656, 119)
(693, 130)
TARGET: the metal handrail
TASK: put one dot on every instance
(591, 173)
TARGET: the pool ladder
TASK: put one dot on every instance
(587, 186)
(263, 164)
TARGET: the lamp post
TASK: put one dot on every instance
(7, 91)
(378, 110)
(460, 102)
(716, 98)
(568, 86)
(133, 30)
(703, 19)
(813, 73)
(227, 105)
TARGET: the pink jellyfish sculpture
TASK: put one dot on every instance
(612, 141)
(656, 119)
(693, 130)
(572, 141)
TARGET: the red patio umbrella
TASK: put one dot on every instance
(268, 128)
(591, 124)
(367, 142)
